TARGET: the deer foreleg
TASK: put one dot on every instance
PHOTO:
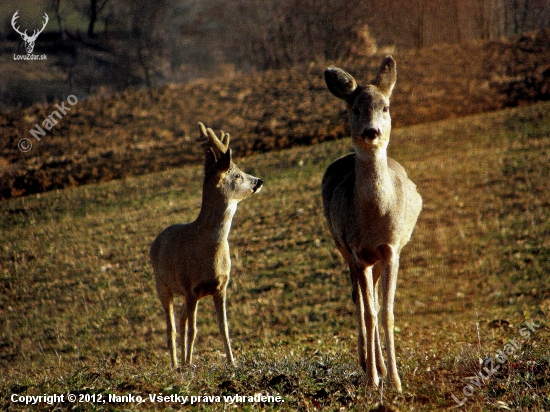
(360, 311)
(366, 288)
(219, 304)
(380, 364)
(167, 301)
(188, 327)
(171, 333)
(389, 284)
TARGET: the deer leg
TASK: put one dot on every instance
(366, 287)
(188, 326)
(380, 364)
(360, 311)
(171, 333)
(219, 304)
(167, 301)
(389, 284)
(184, 324)
(359, 307)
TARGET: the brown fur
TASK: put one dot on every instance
(192, 260)
(371, 207)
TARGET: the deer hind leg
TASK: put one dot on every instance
(389, 284)
(380, 364)
(219, 304)
(369, 316)
(167, 301)
(188, 327)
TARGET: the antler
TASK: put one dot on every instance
(13, 19)
(35, 33)
(208, 139)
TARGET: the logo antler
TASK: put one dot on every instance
(29, 40)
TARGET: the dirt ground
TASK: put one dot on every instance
(134, 133)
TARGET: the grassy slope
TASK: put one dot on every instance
(79, 313)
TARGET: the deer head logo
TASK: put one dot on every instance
(29, 40)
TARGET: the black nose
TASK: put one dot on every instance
(259, 183)
(371, 133)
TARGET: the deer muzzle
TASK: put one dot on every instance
(371, 133)
(258, 185)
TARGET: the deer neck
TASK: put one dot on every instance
(373, 185)
(216, 216)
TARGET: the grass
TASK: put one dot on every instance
(79, 315)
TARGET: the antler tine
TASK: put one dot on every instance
(208, 139)
(14, 22)
(225, 140)
(217, 142)
(46, 20)
(203, 137)
(37, 32)
(202, 130)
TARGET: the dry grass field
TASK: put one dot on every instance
(79, 314)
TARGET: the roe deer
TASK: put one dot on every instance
(192, 260)
(371, 208)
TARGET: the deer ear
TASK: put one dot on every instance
(386, 77)
(224, 162)
(340, 83)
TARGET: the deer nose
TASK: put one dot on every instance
(371, 133)
(258, 185)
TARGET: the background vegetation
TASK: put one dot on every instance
(104, 46)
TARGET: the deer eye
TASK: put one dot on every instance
(356, 111)
(386, 109)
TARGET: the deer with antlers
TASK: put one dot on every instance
(371, 207)
(192, 260)
(29, 40)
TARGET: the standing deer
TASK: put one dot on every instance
(192, 260)
(371, 207)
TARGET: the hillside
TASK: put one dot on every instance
(79, 315)
(134, 133)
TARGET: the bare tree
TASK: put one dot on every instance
(289, 32)
(96, 6)
(147, 36)
(526, 15)
(56, 7)
(455, 18)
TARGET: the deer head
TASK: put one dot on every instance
(29, 40)
(220, 171)
(368, 106)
